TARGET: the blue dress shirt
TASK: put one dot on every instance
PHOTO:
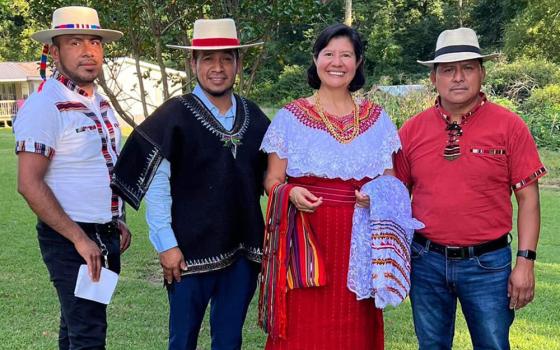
(158, 197)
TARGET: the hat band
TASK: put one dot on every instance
(215, 42)
(77, 26)
(457, 48)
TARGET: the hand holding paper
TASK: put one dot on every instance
(101, 291)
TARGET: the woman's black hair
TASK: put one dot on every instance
(335, 31)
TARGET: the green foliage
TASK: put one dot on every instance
(541, 111)
(515, 80)
(16, 24)
(505, 102)
(398, 33)
(488, 19)
(535, 32)
(291, 84)
(401, 108)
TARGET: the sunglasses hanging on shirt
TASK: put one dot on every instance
(452, 150)
(454, 130)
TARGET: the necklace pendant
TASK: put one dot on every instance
(234, 150)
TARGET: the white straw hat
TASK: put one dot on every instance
(455, 45)
(75, 20)
(214, 34)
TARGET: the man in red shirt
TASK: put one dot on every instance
(461, 160)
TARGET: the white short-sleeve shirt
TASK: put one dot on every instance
(81, 137)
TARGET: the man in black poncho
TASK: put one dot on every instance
(197, 160)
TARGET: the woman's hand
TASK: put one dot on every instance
(304, 200)
(362, 200)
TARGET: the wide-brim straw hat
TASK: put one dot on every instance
(456, 45)
(76, 20)
(214, 34)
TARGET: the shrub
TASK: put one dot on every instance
(541, 111)
(401, 108)
(505, 102)
(516, 80)
(290, 85)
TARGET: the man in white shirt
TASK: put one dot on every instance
(67, 142)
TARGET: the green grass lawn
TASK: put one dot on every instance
(138, 312)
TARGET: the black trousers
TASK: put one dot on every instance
(83, 323)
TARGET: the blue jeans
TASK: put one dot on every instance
(229, 292)
(479, 283)
(83, 323)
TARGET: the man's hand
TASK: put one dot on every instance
(173, 264)
(91, 254)
(521, 286)
(126, 236)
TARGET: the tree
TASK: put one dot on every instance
(535, 32)
(490, 17)
(16, 24)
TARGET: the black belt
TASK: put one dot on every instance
(106, 229)
(463, 252)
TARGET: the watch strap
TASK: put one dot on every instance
(527, 254)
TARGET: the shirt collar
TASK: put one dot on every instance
(70, 84)
(447, 116)
(230, 113)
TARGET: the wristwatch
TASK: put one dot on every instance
(527, 254)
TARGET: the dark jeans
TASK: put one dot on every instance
(229, 292)
(479, 283)
(83, 323)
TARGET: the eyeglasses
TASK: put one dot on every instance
(452, 150)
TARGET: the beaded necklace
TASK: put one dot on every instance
(332, 129)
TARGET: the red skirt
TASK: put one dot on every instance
(330, 317)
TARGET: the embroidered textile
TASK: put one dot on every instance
(60, 123)
(216, 214)
(291, 259)
(71, 85)
(380, 247)
(298, 134)
(231, 139)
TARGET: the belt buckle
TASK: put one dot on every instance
(455, 252)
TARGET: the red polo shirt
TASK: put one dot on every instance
(467, 201)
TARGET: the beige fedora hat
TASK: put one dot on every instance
(455, 45)
(75, 20)
(214, 34)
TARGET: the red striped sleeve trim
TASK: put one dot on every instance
(35, 147)
(537, 174)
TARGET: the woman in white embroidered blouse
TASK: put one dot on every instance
(328, 145)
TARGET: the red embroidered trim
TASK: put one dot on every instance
(488, 151)
(69, 83)
(38, 148)
(71, 106)
(529, 178)
(306, 113)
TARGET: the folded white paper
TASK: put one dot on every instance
(100, 291)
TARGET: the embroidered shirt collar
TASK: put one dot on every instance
(464, 118)
(70, 84)
(227, 117)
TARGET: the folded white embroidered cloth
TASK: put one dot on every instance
(380, 247)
